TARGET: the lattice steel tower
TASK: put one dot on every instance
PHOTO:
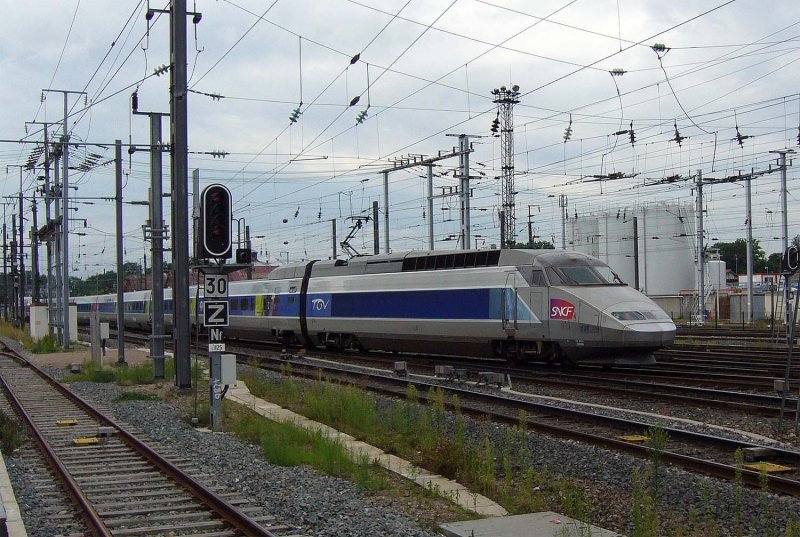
(506, 99)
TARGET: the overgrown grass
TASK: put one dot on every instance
(45, 345)
(420, 433)
(10, 434)
(502, 469)
(286, 444)
(10, 331)
(135, 396)
(124, 376)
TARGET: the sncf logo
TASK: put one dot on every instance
(561, 309)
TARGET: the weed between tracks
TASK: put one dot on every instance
(505, 470)
(124, 376)
(10, 434)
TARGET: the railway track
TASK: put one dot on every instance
(117, 483)
(698, 452)
(749, 391)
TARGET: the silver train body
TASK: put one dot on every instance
(518, 304)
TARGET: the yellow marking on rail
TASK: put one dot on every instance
(66, 422)
(768, 467)
(633, 438)
(85, 441)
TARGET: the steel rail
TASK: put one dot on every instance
(87, 511)
(725, 471)
(222, 508)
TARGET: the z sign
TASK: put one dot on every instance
(215, 313)
(561, 310)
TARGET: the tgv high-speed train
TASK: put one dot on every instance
(518, 304)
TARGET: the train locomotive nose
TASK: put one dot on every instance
(644, 334)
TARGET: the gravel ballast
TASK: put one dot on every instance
(326, 506)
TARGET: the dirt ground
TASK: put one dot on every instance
(82, 353)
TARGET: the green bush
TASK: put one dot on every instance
(45, 345)
(10, 434)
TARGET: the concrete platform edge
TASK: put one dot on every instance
(444, 487)
(14, 523)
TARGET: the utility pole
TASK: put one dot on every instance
(749, 219)
(249, 252)
(18, 249)
(179, 96)
(530, 225)
(54, 233)
(701, 252)
(562, 204)
(463, 158)
(35, 252)
(506, 99)
(156, 233)
(785, 231)
(333, 238)
(48, 237)
(21, 247)
(14, 301)
(5, 268)
(636, 253)
(385, 212)
(66, 342)
(376, 249)
(120, 260)
(420, 160)
(430, 206)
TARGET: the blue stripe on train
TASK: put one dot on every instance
(466, 304)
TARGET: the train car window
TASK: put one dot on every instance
(469, 259)
(537, 278)
(581, 276)
(534, 276)
(482, 259)
(441, 261)
(234, 304)
(554, 277)
(293, 289)
(609, 275)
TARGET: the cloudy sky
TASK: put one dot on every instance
(695, 70)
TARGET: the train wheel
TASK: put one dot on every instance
(560, 357)
(499, 349)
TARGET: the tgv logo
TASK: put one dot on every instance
(561, 309)
(320, 304)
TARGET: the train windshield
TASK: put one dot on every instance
(582, 275)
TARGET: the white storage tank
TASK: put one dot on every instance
(666, 244)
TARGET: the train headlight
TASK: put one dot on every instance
(628, 315)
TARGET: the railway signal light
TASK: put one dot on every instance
(790, 261)
(215, 222)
